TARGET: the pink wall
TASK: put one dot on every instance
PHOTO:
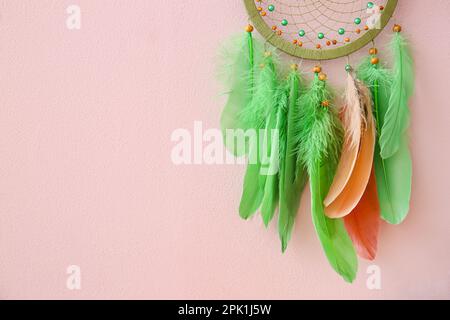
(86, 176)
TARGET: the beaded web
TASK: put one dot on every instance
(319, 24)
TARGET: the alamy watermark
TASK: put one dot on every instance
(73, 21)
(73, 281)
(373, 281)
(201, 146)
(374, 20)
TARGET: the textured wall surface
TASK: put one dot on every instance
(86, 176)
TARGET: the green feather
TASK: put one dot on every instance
(255, 114)
(253, 189)
(272, 187)
(292, 177)
(333, 236)
(270, 198)
(236, 69)
(393, 175)
(320, 140)
(396, 119)
(254, 117)
(320, 131)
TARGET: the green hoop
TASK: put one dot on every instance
(311, 54)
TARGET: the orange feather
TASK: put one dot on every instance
(363, 222)
(354, 189)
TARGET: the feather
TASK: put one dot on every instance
(271, 188)
(354, 189)
(236, 71)
(254, 116)
(396, 120)
(292, 177)
(393, 175)
(363, 222)
(320, 139)
(394, 183)
(252, 191)
(353, 117)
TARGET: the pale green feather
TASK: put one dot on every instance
(255, 117)
(396, 119)
(320, 131)
(292, 177)
(393, 175)
(320, 139)
(236, 70)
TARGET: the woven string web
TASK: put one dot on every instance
(319, 24)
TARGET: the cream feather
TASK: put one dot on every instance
(352, 113)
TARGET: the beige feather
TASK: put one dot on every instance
(352, 115)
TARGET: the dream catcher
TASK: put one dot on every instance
(293, 128)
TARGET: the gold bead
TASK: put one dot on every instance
(262, 65)
(294, 66)
(322, 77)
(373, 51)
(300, 43)
(249, 28)
(397, 28)
(374, 60)
(317, 69)
(267, 54)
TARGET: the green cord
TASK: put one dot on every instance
(375, 97)
(251, 58)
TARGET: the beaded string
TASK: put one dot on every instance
(317, 24)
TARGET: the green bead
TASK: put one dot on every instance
(284, 22)
(370, 5)
(348, 68)
(341, 31)
(320, 35)
(271, 7)
(357, 20)
(301, 33)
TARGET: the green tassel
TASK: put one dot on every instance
(292, 177)
(320, 139)
(237, 61)
(257, 116)
(396, 119)
(393, 175)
